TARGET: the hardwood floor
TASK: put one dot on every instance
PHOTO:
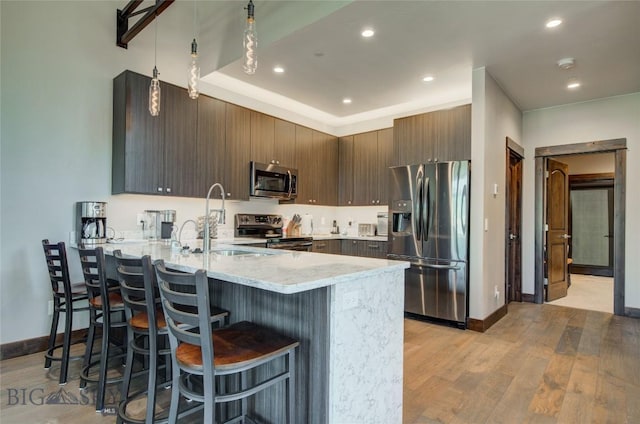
(540, 363)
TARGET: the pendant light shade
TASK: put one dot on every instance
(194, 72)
(154, 94)
(250, 42)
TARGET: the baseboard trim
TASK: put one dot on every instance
(37, 344)
(482, 325)
(632, 312)
(526, 297)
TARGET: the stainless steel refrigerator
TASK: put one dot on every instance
(429, 227)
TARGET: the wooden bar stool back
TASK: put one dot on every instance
(106, 311)
(200, 355)
(66, 296)
(147, 331)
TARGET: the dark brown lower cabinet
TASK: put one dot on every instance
(365, 248)
(327, 246)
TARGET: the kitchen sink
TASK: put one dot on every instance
(236, 252)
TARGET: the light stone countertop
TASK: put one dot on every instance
(274, 270)
(345, 237)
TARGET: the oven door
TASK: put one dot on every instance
(301, 246)
(269, 180)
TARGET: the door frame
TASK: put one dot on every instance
(617, 146)
(512, 148)
(603, 181)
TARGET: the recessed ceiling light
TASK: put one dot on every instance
(552, 23)
(278, 69)
(428, 78)
(573, 84)
(366, 33)
(346, 101)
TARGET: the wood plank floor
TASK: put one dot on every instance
(540, 363)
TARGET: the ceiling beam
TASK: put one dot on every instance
(124, 34)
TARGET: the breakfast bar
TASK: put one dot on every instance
(347, 313)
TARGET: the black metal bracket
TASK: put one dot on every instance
(124, 34)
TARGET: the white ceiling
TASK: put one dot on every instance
(326, 59)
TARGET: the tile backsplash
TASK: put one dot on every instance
(122, 213)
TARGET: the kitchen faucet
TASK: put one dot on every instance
(182, 227)
(221, 217)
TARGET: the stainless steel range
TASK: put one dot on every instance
(269, 227)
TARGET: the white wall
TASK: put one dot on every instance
(494, 117)
(603, 119)
(58, 60)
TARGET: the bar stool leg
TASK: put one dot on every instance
(151, 386)
(54, 330)
(91, 335)
(66, 344)
(126, 381)
(104, 357)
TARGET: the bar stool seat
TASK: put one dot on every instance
(66, 297)
(140, 321)
(115, 301)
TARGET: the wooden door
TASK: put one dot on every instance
(237, 152)
(513, 203)
(180, 142)
(385, 160)
(138, 151)
(210, 149)
(558, 228)
(285, 143)
(304, 163)
(262, 137)
(409, 140)
(325, 169)
(345, 171)
(365, 168)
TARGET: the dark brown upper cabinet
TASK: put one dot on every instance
(345, 171)
(211, 146)
(272, 140)
(152, 155)
(237, 152)
(317, 164)
(364, 162)
(443, 135)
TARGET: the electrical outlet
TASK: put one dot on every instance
(50, 307)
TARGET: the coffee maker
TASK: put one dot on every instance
(91, 223)
(159, 224)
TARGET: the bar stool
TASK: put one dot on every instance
(104, 302)
(143, 308)
(65, 299)
(202, 354)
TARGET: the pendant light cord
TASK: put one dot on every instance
(155, 54)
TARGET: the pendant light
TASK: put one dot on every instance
(154, 88)
(250, 42)
(194, 65)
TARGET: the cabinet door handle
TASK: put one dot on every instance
(168, 189)
(349, 202)
(228, 194)
(373, 246)
(321, 246)
(160, 189)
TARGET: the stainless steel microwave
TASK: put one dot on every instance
(275, 181)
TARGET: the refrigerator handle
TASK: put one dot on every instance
(463, 208)
(426, 210)
(417, 209)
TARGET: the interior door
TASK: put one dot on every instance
(514, 223)
(558, 228)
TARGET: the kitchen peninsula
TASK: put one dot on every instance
(347, 313)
